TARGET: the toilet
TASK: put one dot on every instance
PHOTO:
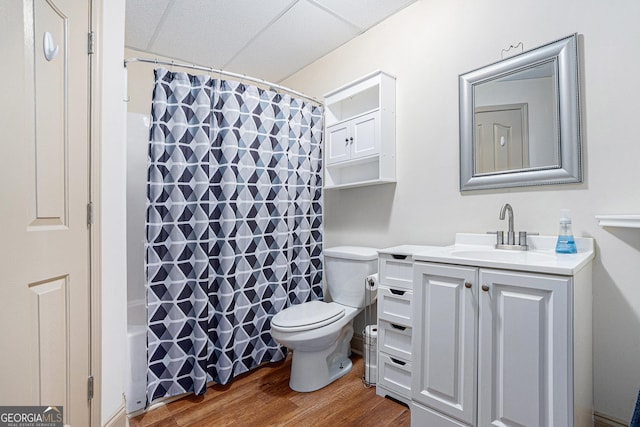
(319, 333)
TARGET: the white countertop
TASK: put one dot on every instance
(407, 250)
(478, 250)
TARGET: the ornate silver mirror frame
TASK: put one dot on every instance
(564, 124)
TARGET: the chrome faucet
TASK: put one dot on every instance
(511, 234)
(510, 241)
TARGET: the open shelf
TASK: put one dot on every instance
(625, 221)
(361, 184)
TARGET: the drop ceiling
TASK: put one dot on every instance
(267, 39)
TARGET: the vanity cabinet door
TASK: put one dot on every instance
(444, 345)
(524, 349)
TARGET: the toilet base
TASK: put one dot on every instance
(340, 369)
(305, 381)
(311, 371)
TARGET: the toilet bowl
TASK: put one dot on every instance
(319, 333)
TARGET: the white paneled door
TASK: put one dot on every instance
(45, 284)
(524, 350)
(502, 141)
(444, 350)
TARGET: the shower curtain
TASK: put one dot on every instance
(233, 227)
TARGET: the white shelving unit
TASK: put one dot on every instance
(625, 221)
(395, 321)
(360, 142)
(395, 295)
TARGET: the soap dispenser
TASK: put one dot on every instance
(566, 244)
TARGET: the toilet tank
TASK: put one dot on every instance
(346, 268)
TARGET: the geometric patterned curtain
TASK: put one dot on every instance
(234, 226)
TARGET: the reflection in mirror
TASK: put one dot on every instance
(513, 111)
(519, 120)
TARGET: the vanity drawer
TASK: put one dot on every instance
(394, 339)
(396, 271)
(394, 374)
(394, 305)
(423, 416)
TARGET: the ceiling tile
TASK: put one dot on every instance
(302, 35)
(142, 17)
(364, 13)
(211, 32)
(235, 35)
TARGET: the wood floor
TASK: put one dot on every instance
(263, 398)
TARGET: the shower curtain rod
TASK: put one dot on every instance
(222, 72)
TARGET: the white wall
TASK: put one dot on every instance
(427, 46)
(114, 262)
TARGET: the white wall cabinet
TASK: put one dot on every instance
(522, 335)
(360, 132)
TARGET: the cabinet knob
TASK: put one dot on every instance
(351, 139)
(467, 285)
(346, 140)
(485, 288)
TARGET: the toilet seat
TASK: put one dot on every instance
(307, 316)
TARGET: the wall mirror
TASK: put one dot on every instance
(520, 120)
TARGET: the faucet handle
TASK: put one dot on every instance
(522, 238)
(499, 236)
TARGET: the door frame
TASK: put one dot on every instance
(95, 125)
(523, 110)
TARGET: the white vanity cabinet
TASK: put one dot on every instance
(500, 347)
(395, 321)
(395, 325)
(360, 132)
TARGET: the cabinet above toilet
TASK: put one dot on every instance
(361, 132)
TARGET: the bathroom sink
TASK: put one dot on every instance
(479, 250)
(491, 254)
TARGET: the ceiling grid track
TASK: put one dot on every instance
(259, 33)
(336, 15)
(163, 18)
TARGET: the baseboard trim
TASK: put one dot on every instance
(158, 403)
(602, 420)
(119, 419)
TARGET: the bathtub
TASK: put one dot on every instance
(136, 381)
(136, 365)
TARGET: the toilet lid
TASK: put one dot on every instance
(308, 315)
